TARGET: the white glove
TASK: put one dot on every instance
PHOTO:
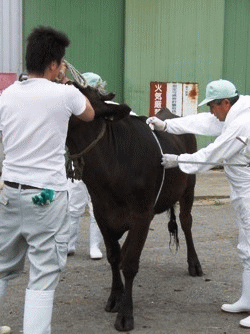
(156, 124)
(169, 160)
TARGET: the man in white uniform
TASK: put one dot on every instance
(34, 117)
(228, 119)
(79, 196)
(79, 199)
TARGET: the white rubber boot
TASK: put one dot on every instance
(74, 230)
(245, 322)
(243, 304)
(95, 238)
(3, 329)
(38, 311)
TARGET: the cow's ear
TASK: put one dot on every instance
(107, 97)
(93, 94)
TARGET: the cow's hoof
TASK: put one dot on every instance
(124, 323)
(113, 303)
(195, 270)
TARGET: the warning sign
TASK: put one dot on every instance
(181, 98)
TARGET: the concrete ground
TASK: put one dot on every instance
(166, 299)
(212, 184)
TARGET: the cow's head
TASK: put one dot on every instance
(110, 111)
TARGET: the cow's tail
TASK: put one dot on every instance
(173, 229)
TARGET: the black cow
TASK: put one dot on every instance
(119, 160)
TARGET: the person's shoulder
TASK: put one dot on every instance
(10, 89)
(61, 88)
(240, 123)
(71, 90)
(14, 85)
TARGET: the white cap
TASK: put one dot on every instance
(219, 89)
(92, 79)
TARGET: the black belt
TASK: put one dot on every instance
(16, 185)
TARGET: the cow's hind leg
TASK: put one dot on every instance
(131, 252)
(186, 203)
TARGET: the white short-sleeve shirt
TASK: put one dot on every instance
(34, 116)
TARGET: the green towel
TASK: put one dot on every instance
(45, 197)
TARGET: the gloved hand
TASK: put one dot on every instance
(169, 160)
(156, 124)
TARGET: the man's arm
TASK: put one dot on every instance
(223, 149)
(88, 114)
(199, 124)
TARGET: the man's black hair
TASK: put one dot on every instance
(45, 45)
(232, 100)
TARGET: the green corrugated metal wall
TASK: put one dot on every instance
(237, 44)
(171, 40)
(96, 31)
(165, 40)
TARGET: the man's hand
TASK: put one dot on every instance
(156, 124)
(62, 78)
(169, 160)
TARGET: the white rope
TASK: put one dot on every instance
(163, 175)
(78, 77)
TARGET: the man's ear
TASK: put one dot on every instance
(227, 104)
(53, 65)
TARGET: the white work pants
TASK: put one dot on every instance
(40, 231)
(79, 198)
(242, 207)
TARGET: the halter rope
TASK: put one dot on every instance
(78, 77)
(77, 159)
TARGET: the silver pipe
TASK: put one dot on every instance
(214, 163)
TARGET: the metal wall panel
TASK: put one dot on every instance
(96, 31)
(237, 44)
(174, 41)
(10, 36)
